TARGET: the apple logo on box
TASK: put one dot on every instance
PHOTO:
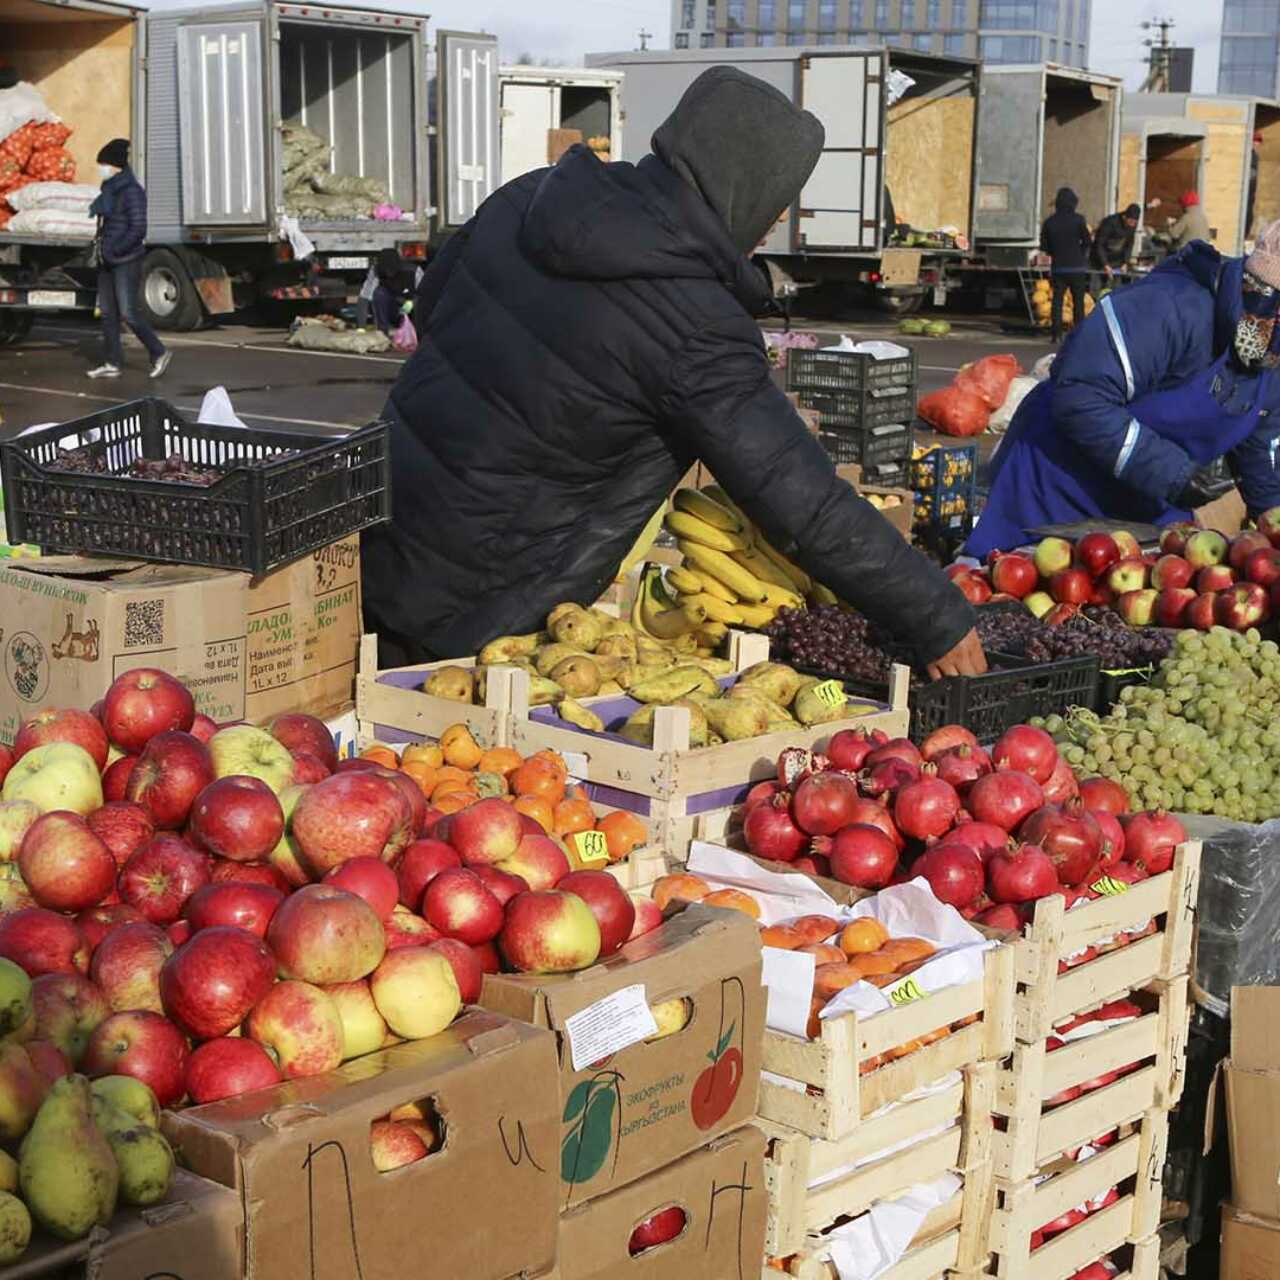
(27, 666)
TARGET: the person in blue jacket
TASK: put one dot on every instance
(1166, 376)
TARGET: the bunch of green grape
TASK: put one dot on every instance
(1200, 738)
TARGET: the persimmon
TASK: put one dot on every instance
(454, 801)
(781, 936)
(538, 809)
(823, 952)
(423, 774)
(623, 832)
(931, 1037)
(381, 754)
(828, 979)
(901, 1050)
(733, 900)
(422, 753)
(681, 886)
(460, 749)
(554, 759)
(446, 786)
(816, 928)
(503, 760)
(538, 778)
(905, 949)
(813, 1028)
(873, 965)
(572, 816)
(868, 1065)
(862, 937)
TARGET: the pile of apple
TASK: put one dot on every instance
(214, 909)
(991, 833)
(1199, 579)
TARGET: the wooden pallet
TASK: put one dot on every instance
(826, 1095)
(921, 1139)
(1135, 1162)
(1045, 997)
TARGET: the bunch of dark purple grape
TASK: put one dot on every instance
(87, 460)
(175, 469)
(827, 638)
(1118, 647)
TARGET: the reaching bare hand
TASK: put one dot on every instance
(965, 659)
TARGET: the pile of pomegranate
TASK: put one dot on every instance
(992, 832)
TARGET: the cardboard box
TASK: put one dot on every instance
(1253, 1100)
(1250, 1246)
(196, 1234)
(482, 1206)
(249, 648)
(722, 1191)
(901, 516)
(647, 1104)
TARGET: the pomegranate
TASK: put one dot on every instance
(1004, 915)
(1062, 783)
(1069, 834)
(823, 803)
(887, 777)
(863, 856)
(1021, 873)
(948, 738)
(848, 749)
(1151, 838)
(1103, 795)
(954, 873)
(962, 766)
(984, 838)
(876, 814)
(895, 749)
(794, 764)
(765, 790)
(770, 833)
(926, 808)
(1112, 837)
(1004, 798)
(1026, 748)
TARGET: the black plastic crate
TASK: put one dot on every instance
(283, 494)
(850, 371)
(1110, 683)
(868, 446)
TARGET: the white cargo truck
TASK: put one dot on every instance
(546, 109)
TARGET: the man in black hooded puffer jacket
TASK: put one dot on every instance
(584, 339)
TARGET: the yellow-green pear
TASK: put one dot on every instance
(130, 1095)
(143, 1156)
(8, 1172)
(15, 997)
(15, 1228)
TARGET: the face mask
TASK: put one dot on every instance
(107, 171)
(1253, 341)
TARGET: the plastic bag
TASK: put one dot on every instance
(67, 197)
(1021, 387)
(406, 336)
(989, 378)
(53, 222)
(955, 411)
(21, 105)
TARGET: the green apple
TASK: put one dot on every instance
(57, 775)
(15, 817)
(247, 751)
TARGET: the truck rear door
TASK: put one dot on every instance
(221, 95)
(1010, 155)
(470, 156)
(840, 206)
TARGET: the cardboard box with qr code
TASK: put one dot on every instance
(248, 648)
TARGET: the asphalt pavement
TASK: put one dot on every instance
(274, 385)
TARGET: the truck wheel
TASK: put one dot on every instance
(168, 299)
(14, 326)
(899, 304)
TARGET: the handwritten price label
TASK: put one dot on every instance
(591, 846)
(830, 693)
(906, 992)
(1109, 887)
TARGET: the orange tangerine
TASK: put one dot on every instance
(381, 754)
(623, 832)
(423, 753)
(503, 760)
(681, 886)
(733, 900)
(459, 747)
(861, 937)
(538, 809)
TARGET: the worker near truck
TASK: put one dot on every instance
(1192, 225)
(1113, 241)
(1065, 238)
(583, 340)
(1166, 376)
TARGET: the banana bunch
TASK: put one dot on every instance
(730, 571)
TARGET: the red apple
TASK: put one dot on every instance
(370, 879)
(203, 727)
(172, 770)
(405, 929)
(1070, 586)
(1215, 577)
(67, 1008)
(457, 903)
(66, 866)
(1243, 545)
(126, 965)
(237, 817)
(1014, 575)
(241, 906)
(1052, 555)
(504, 885)
(1173, 540)
(487, 954)
(393, 1144)
(115, 781)
(96, 922)
(1200, 611)
(974, 587)
(1128, 544)
(466, 964)
(418, 864)
(1171, 571)
(350, 815)
(416, 992)
(1263, 566)
(161, 876)
(305, 735)
(954, 571)
(224, 871)
(1241, 607)
(412, 793)
(142, 703)
(41, 941)
(549, 932)
(144, 1045)
(6, 761)
(664, 1225)
(539, 860)
(363, 1028)
(48, 1059)
(228, 1067)
(209, 984)
(1171, 606)
(1059, 614)
(1138, 608)
(300, 1026)
(614, 911)
(124, 827)
(307, 769)
(648, 917)
(179, 931)
(1269, 524)
(1127, 575)
(488, 831)
(321, 934)
(1205, 547)
(67, 725)
(1096, 552)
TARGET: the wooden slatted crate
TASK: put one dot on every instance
(830, 1087)
(1134, 1163)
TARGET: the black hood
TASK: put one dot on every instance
(594, 221)
(1066, 200)
(743, 146)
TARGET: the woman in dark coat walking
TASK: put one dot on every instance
(121, 210)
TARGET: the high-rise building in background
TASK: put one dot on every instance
(1250, 58)
(993, 30)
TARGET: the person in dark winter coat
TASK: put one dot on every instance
(1165, 377)
(1113, 241)
(395, 288)
(1065, 238)
(586, 338)
(121, 210)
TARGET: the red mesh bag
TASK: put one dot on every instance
(10, 172)
(989, 378)
(54, 164)
(20, 144)
(49, 135)
(955, 411)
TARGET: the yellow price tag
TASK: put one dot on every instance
(906, 992)
(830, 693)
(591, 846)
(1109, 887)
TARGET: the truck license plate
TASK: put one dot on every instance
(349, 264)
(50, 298)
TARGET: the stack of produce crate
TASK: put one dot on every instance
(1082, 1105)
(945, 479)
(865, 406)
